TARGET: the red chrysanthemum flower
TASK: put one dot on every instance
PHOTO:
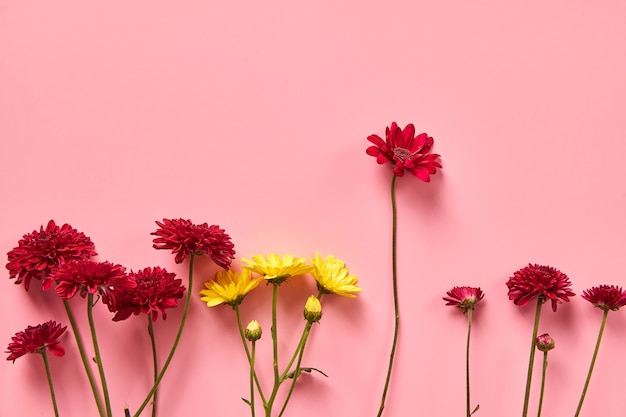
(39, 252)
(405, 151)
(465, 298)
(155, 291)
(541, 281)
(85, 277)
(184, 238)
(606, 297)
(37, 339)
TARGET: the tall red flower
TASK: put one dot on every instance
(405, 151)
(87, 277)
(606, 297)
(542, 281)
(184, 238)
(37, 339)
(39, 252)
(155, 291)
(465, 298)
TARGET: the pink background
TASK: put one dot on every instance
(254, 116)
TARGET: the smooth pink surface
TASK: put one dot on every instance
(254, 116)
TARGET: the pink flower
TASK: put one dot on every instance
(405, 151)
(606, 297)
(37, 339)
(541, 281)
(184, 238)
(38, 253)
(89, 277)
(155, 291)
(465, 298)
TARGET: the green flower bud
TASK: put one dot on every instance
(253, 331)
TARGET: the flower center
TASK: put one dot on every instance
(402, 153)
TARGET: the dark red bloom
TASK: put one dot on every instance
(37, 339)
(91, 277)
(39, 252)
(184, 238)
(465, 298)
(405, 151)
(534, 281)
(155, 291)
(606, 297)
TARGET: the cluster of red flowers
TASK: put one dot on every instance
(61, 255)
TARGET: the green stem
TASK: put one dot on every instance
(248, 354)
(593, 361)
(49, 376)
(268, 405)
(83, 357)
(543, 382)
(300, 344)
(299, 353)
(531, 360)
(252, 377)
(94, 338)
(467, 360)
(296, 373)
(176, 340)
(155, 363)
(395, 291)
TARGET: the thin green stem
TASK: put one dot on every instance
(531, 360)
(296, 373)
(299, 353)
(155, 363)
(44, 355)
(268, 405)
(96, 349)
(395, 291)
(248, 354)
(593, 361)
(83, 357)
(467, 360)
(543, 382)
(176, 340)
(252, 376)
(300, 344)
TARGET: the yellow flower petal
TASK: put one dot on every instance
(228, 287)
(332, 276)
(276, 268)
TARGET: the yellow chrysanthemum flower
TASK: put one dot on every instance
(228, 287)
(332, 276)
(276, 269)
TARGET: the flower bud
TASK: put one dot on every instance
(313, 310)
(544, 342)
(253, 331)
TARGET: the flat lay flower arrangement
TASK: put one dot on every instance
(58, 258)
